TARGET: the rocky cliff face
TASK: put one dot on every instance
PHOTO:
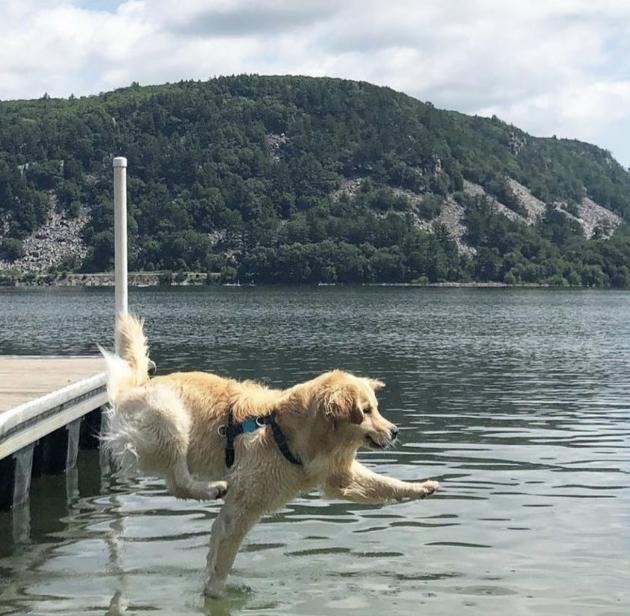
(59, 243)
(54, 244)
(592, 217)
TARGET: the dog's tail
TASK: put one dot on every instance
(131, 368)
(121, 434)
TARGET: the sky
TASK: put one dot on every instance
(551, 67)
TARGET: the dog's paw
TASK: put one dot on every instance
(429, 488)
(214, 590)
(221, 488)
(200, 490)
(214, 490)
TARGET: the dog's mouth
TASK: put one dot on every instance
(372, 444)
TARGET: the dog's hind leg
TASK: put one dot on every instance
(155, 425)
(172, 431)
(182, 485)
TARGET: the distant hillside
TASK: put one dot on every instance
(306, 180)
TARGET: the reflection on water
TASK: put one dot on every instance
(517, 401)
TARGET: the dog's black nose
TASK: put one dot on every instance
(394, 432)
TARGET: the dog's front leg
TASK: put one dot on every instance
(228, 531)
(361, 485)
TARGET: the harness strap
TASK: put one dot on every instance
(280, 438)
(232, 430)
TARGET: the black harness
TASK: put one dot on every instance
(231, 430)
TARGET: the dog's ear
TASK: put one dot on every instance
(375, 384)
(340, 403)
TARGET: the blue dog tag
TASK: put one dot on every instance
(249, 425)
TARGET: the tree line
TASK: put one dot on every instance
(245, 176)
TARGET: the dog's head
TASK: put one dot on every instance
(349, 406)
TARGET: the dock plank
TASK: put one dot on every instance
(25, 378)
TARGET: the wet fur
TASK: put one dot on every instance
(169, 425)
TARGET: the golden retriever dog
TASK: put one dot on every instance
(213, 437)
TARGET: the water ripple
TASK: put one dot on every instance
(516, 400)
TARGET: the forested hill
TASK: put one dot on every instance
(306, 180)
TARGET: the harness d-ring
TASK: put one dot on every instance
(231, 430)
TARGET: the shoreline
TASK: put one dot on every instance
(200, 279)
(106, 279)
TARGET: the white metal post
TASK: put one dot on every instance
(120, 236)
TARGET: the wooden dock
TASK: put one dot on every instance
(42, 403)
(49, 405)
(25, 377)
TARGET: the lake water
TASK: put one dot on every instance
(517, 401)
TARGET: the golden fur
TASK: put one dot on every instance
(170, 426)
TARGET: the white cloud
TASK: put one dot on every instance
(559, 67)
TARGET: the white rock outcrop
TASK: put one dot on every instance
(58, 239)
(594, 216)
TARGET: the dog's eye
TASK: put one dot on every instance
(367, 410)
